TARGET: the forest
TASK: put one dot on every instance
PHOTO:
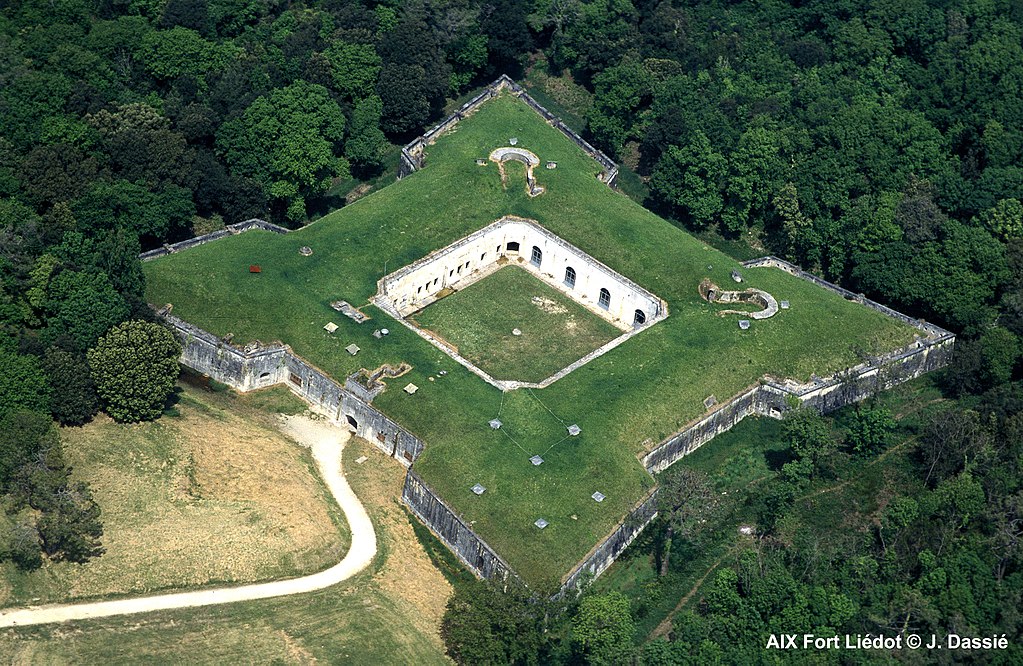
(877, 143)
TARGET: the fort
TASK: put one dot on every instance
(643, 403)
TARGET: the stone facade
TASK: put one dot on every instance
(525, 243)
(513, 239)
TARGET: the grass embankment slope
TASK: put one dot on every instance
(624, 401)
(389, 614)
(554, 331)
(187, 502)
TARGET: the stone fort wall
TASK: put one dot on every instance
(258, 366)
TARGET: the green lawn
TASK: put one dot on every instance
(625, 401)
(554, 330)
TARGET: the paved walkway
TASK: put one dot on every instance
(326, 443)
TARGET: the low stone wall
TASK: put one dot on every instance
(229, 230)
(452, 530)
(413, 154)
(608, 550)
(258, 366)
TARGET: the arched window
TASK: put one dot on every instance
(513, 247)
(536, 256)
(605, 299)
(570, 277)
(639, 319)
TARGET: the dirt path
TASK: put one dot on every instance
(326, 442)
(664, 628)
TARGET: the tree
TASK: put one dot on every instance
(23, 385)
(999, 351)
(809, 435)
(75, 403)
(71, 529)
(404, 96)
(56, 173)
(1005, 220)
(168, 54)
(191, 14)
(950, 440)
(353, 68)
(141, 144)
(23, 434)
(689, 179)
(135, 366)
(289, 142)
(871, 430)
(82, 305)
(366, 142)
(487, 625)
(602, 629)
(687, 502)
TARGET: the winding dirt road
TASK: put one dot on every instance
(326, 442)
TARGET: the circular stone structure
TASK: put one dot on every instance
(502, 155)
(305, 250)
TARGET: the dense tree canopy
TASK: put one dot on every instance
(134, 367)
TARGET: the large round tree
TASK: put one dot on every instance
(134, 367)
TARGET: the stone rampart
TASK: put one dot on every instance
(774, 397)
(413, 154)
(608, 550)
(229, 230)
(452, 530)
(258, 366)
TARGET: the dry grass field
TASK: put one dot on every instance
(389, 614)
(213, 495)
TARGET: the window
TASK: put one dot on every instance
(351, 421)
(451, 272)
(536, 257)
(459, 269)
(570, 277)
(605, 299)
(294, 379)
(513, 247)
(483, 256)
(419, 291)
(639, 319)
(499, 249)
(435, 281)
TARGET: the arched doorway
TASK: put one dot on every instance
(604, 301)
(570, 277)
(536, 256)
(639, 318)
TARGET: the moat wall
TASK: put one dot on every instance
(257, 366)
(453, 531)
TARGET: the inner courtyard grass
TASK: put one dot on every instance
(625, 401)
(555, 331)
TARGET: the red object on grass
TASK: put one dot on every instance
(254, 268)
